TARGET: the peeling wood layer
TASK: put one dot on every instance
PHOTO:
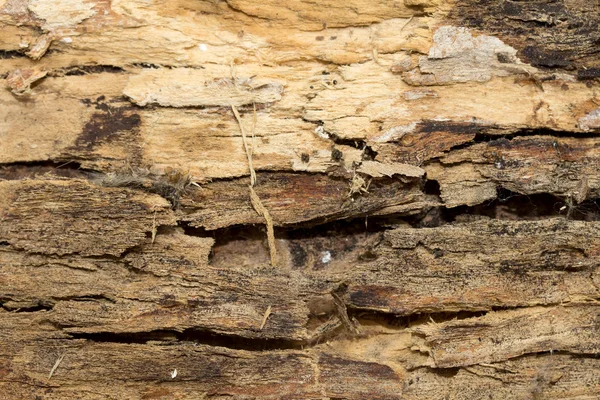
(89, 369)
(566, 329)
(290, 199)
(563, 166)
(548, 34)
(179, 282)
(65, 217)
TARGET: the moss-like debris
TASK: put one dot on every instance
(171, 185)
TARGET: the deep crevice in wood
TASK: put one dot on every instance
(197, 336)
(492, 138)
(369, 154)
(8, 54)
(408, 321)
(41, 306)
(512, 206)
(236, 342)
(89, 69)
(148, 65)
(36, 169)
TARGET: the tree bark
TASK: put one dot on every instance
(268, 199)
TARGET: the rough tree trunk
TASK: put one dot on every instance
(430, 168)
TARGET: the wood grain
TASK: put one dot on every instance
(430, 166)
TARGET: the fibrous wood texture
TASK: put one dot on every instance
(430, 168)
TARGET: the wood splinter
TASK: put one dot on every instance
(56, 364)
(265, 317)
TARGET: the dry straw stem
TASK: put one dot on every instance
(154, 230)
(343, 314)
(254, 199)
(263, 212)
(56, 364)
(265, 317)
(248, 151)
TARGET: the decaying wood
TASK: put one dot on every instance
(570, 329)
(428, 171)
(64, 217)
(290, 199)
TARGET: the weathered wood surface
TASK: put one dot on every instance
(134, 265)
(135, 370)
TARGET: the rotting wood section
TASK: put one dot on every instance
(431, 174)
